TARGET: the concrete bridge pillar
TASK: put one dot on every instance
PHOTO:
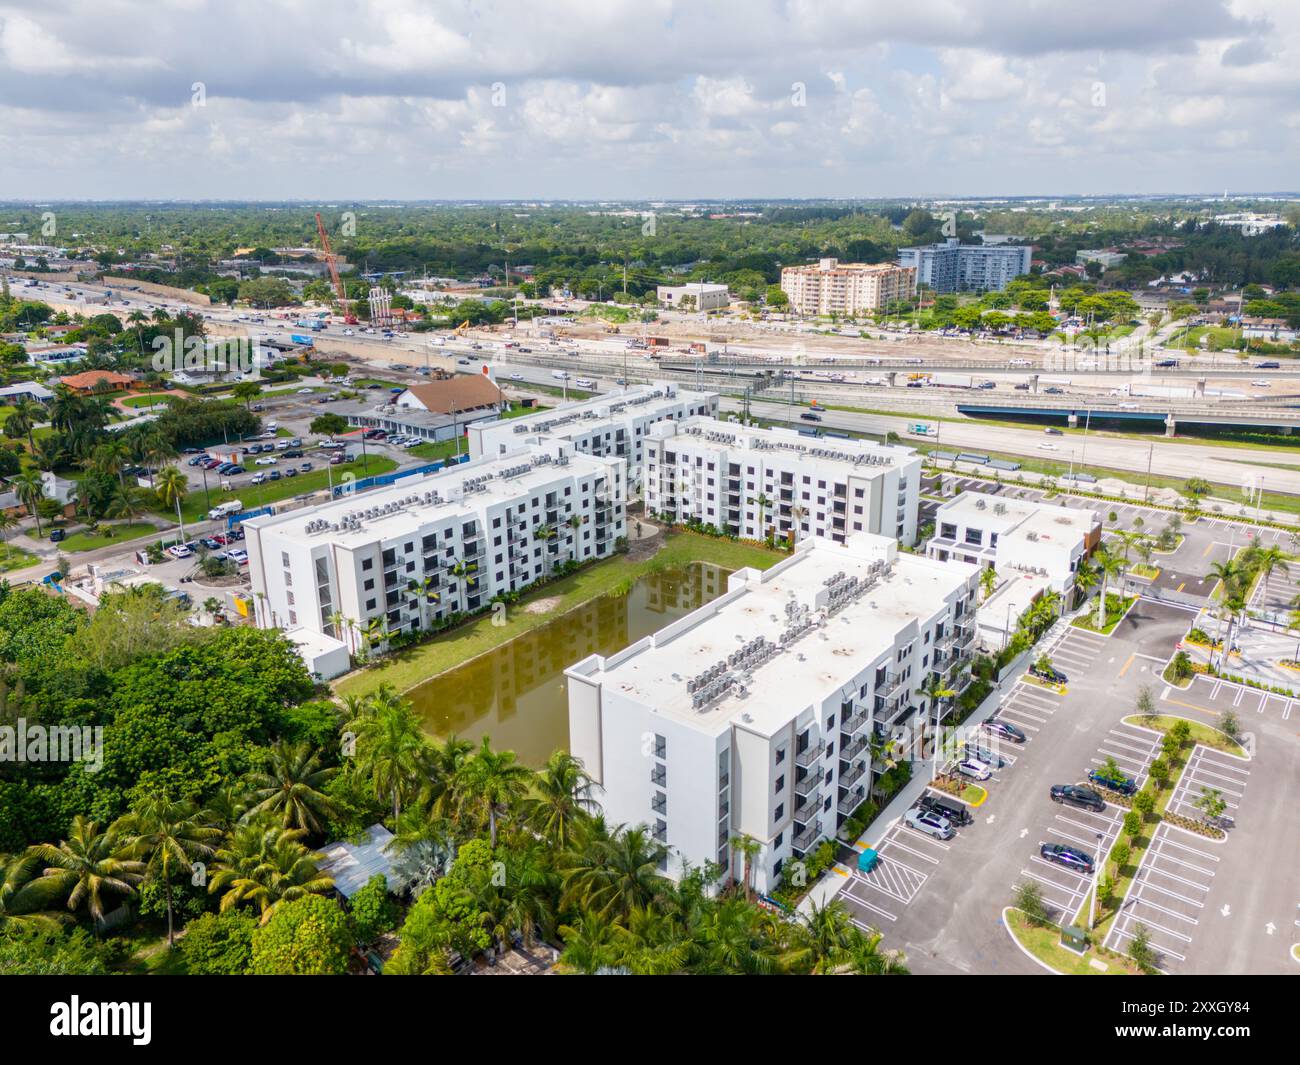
(892, 378)
(1073, 420)
(1170, 425)
(1033, 383)
(1200, 388)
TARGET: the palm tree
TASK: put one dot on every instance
(170, 836)
(611, 874)
(25, 898)
(90, 866)
(562, 796)
(30, 489)
(290, 788)
(265, 865)
(988, 580)
(762, 502)
(24, 417)
(866, 959)
(798, 513)
(822, 940)
(493, 782)
(390, 747)
(172, 487)
(1108, 565)
(7, 523)
(1231, 574)
(111, 456)
(124, 503)
(749, 849)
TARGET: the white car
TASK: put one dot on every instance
(348, 333)
(179, 551)
(516, 377)
(239, 555)
(258, 478)
(1045, 446)
(973, 768)
(1262, 384)
(267, 460)
(930, 824)
(306, 391)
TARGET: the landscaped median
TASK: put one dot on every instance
(413, 665)
(1116, 608)
(1042, 941)
(1147, 810)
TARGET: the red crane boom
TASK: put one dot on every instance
(331, 260)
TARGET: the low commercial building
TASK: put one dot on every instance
(410, 420)
(614, 424)
(1104, 257)
(832, 287)
(1022, 535)
(697, 296)
(25, 390)
(755, 715)
(757, 483)
(461, 395)
(406, 556)
(952, 266)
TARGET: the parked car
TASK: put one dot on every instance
(1001, 728)
(949, 809)
(1048, 673)
(1051, 431)
(179, 551)
(194, 461)
(275, 475)
(306, 391)
(293, 453)
(58, 535)
(235, 470)
(929, 823)
(1114, 781)
(1070, 857)
(258, 478)
(267, 460)
(239, 556)
(305, 467)
(1075, 795)
(973, 768)
(809, 416)
(210, 542)
(290, 472)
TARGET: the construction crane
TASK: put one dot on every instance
(331, 260)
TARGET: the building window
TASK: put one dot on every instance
(780, 784)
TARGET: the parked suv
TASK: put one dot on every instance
(1118, 782)
(952, 812)
(1075, 795)
(1049, 673)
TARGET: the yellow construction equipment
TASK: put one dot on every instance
(460, 329)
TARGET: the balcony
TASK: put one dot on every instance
(807, 813)
(660, 834)
(810, 835)
(809, 783)
(851, 802)
(847, 780)
(659, 806)
(893, 684)
(659, 776)
(853, 722)
(854, 749)
(809, 755)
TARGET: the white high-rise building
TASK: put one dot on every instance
(755, 714)
(755, 482)
(956, 267)
(408, 555)
(616, 424)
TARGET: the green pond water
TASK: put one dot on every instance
(517, 694)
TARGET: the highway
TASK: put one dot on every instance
(605, 358)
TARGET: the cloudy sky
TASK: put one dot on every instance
(452, 99)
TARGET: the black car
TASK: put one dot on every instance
(809, 416)
(235, 469)
(1070, 857)
(293, 453)
(955, 812)
(1054, 391)
(1049, 673)
(1166, 363)
(57, 535)
(1074, 795)
(1270, 365)
(983, 754)
(1054, 432)
(1003, 729)
(1114, 781)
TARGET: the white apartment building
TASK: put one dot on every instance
(1015, 534)
(408, 555)
(755, 714)
(613, 425)
(705, 297)
(751, 482)
(846, 288)
(956, 267)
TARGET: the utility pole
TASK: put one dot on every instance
(1146, 493)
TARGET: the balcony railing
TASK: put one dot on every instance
(810, 783)
(809, 755)
(854, 749)
(893, 683)
(855, 721)
(847, 780)
(807, 813)
(804, 840)
(658, 776)
(850, 802)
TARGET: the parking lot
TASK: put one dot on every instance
(940, 900)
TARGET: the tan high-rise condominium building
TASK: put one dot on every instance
(846, 288)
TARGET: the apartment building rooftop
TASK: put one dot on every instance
(781, 640)
(722, 436)
(1046, 521)
(589, 415)
(353, 521)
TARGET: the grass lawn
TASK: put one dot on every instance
(108, 534)
(195, 507)
(366, 382)
(551, 390)
(1113, 617)
(12, 558)
(146, 400)
(1203, 734)
(1044, 943)
(440, 450)
(414, 665)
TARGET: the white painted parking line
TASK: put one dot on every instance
(897, 844)
(1018, 711)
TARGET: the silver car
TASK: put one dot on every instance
(930, 824)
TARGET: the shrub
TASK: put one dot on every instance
(1029, 900)
(219, 944)
(1132, 824)
(373, 910)
(307, 937)
(1121, 855)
